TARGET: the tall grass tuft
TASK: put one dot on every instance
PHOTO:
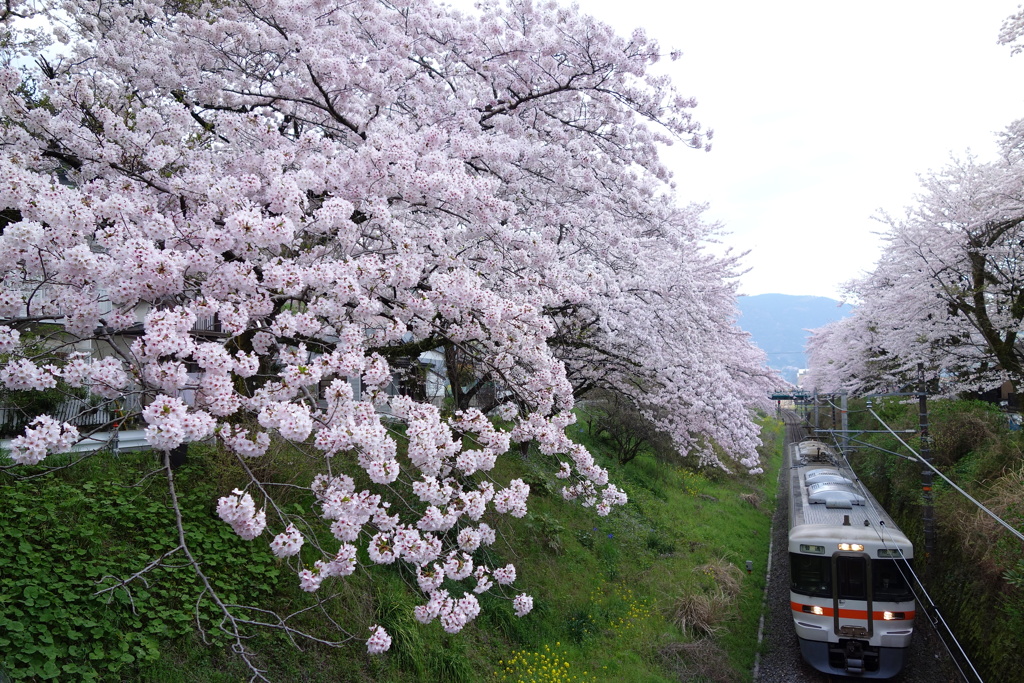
(393, 609)
(449, 664)
(726, 576)
(702, 614)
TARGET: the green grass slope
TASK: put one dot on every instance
(656, 591)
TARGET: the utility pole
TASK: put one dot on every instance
(817, 424)
(926, 473)
(846, 423)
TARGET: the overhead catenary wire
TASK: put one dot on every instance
(948, 480)
(833, 404)
(935, 613)
(867, 444)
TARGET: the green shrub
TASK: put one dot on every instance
(67, 611)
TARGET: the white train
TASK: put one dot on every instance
(850, 595)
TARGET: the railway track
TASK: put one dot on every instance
(781, 662)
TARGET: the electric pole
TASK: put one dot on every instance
(817, 425)
(926, 473)
(846, 424)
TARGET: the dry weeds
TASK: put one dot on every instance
(702, 614)
(958, 435)
(727, 576)
(753, 498)
(978, 532)
(701, 660)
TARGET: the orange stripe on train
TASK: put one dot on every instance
(861, 614)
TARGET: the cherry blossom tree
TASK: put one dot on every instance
(948, 292)
(665, 337)
(338, 188)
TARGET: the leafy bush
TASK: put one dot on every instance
(627, 431)
(961, 427)
(548, 531)
(67, 610)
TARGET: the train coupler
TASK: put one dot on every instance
(853, 657)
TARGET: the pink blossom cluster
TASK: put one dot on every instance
(408, 544)
(24, 374)
(505, 575)
(107, 377)
(167, 377)
(288, 542)
(522, 604)
(9, 339)
(483, 580)
(213, 358)
(610, 496)
(379, 641)
(239, 510)
(552, 439)
(355, 425)
(216, 394)
(42, 436)
(453, 613)
(603, 500)
(171, 423)
(469, 539)
(104, 377)
(246, 364)
(513, 499)
(240, 441)
(493, 442)
(309, 580)
(458, 566)
(348, 510)
(431, 443)
(341, 564)
(167, 334)
(291, 420)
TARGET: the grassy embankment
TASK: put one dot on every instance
(977, 573)
(653, 592)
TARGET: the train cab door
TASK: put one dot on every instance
(852, 594)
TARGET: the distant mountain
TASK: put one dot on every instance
(778, 324)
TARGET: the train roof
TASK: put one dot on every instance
(829, 505)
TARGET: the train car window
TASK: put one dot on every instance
(890, 580)
(853, 577)
(811, 575)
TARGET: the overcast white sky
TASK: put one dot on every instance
(825, 112)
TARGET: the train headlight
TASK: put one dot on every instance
(813, 609)
(856, 547)
(894, 616)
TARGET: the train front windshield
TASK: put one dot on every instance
(891, 580)
(812, 575)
